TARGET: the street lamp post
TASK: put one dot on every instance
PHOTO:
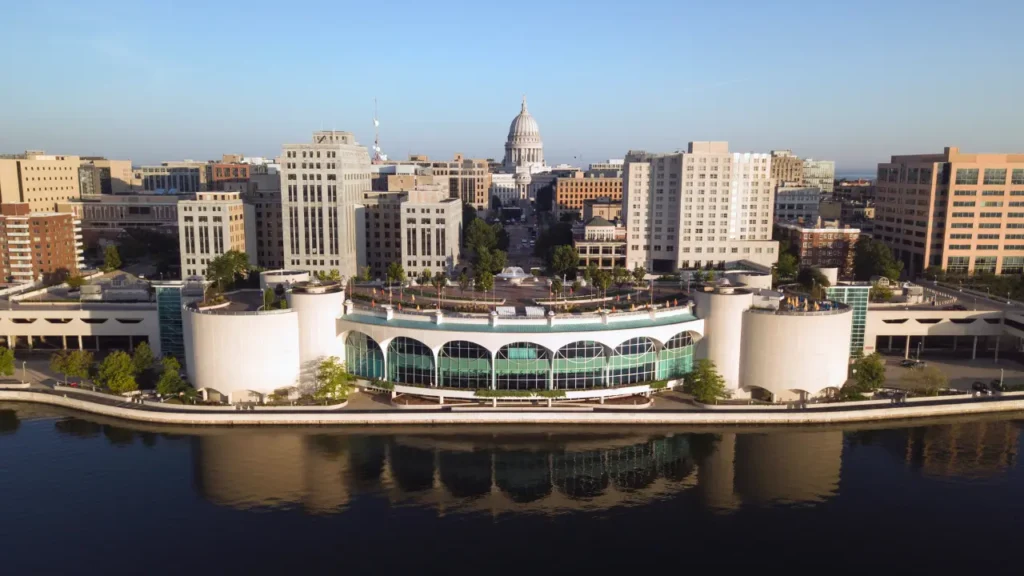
(24, 378)
(920, 346)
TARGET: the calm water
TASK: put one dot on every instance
(84, 495)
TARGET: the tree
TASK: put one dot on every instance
(576, 285)
(6, 361)
(424, 277)
(705, 384)
(603, 280)
(480, 236)
(59, 363)
(439, 281)
(468, 215)
(364, 274)
(395, 273)
(565, 260)
(873, 258)
(328, 275)
(332, 380)
(927, 381)
(569, 216)
(79, 364)
(639, 273)
(811, 277)
(870, 372)
(485, 281)
(268, 298)
(75, 282)
(142, 358)
(111, 259)
(557, 286)
(117, 373)
(170, 382)
(590, 272)
(495, 203)
(620, 276)
(503, 238)
(223, 269)
(465, 282)
(787, 265)
(880, 293)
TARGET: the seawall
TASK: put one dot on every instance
(639, 417)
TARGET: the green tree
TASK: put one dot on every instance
(873, 258)
(557, 286)
(328, 275)
(117, 373)
(76, 282)
(927, 381)
(6, 361)
(364, 274)
(590, 272)
(111, 258)
(79, 364)
(480, 236)
(565, 260)
(439, 281)
(142, 358)
(170, 382)
(425, 277)
(485, 281)
(223, 269)
(870, 372)
(395, 273)
(332, 380)
(639, 273)
(60, 361)
(880, 293)
(705, 384)
(620, 276)
(268, 298)
(465, 282)
(603, 281)
(576, 285)
(499, 260)
(787, 265)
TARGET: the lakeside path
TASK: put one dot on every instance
(696, 417)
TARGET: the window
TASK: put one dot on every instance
(967, 176)
(992, 204)
(965, 193)
(992, 193)
(1017, 177)
(960, 236)
(962, 214)
(959, 246)
(988, 247)
(963, 203)
(995, 176)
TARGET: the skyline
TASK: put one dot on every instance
(851, 84)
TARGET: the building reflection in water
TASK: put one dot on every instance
(979, 449)
(535, 472)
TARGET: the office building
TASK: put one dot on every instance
(821, 174)
(610, 210)
(961, 212)
(787, 168)
(223, 173)
(265, 196)
(98, 176)
(38, 246)
(38, 179)
(819, 246)
(608, 169)
(158, 211)
(212, 224)
(571, 192)
(699, 208)
(796, 203)
(601, 243)
(380, 229)
(186, 177)
(430, 226)
(321, 183)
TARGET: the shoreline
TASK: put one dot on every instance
(788, 418)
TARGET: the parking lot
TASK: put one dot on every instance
(962, 372)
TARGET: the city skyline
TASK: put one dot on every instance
(599, 81)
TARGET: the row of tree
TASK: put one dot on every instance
(120, 372)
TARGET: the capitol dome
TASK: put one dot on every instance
(523, 126)
(524, 150)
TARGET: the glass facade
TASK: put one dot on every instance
(632, 361)
(522, 366)
(676, 358)
(464, 364)
(410, 362)
(856, 297)
(579, 365)
(363, 356)
(172, 334)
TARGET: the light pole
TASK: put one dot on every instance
(920, 346)
(24, 378)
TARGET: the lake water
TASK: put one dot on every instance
(82, 495)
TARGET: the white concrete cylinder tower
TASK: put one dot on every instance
(722, 310)
(318, 307)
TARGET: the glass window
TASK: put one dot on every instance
(967, 176)
(363, 356)
(1017, 177)
(522, 366)
(410, 362)
(632, 362)
(676, 357)
(995, 176)
(579, 365)
(463, 364)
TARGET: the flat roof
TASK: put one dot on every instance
(513, 326)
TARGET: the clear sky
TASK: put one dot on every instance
(851, 81)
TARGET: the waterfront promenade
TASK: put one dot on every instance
(719, 416)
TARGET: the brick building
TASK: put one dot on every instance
(36, 245)
(818, 246)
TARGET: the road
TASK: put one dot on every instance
(972, 301)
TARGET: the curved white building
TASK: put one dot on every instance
(794, 351)
(722, 310)
(318, 308)
(284, 279)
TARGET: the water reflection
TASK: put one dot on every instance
(9, 422)
(967, 450)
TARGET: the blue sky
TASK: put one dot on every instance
(851, 81)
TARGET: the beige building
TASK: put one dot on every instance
(571, 192)
(602, 243)
(431, 227)
(962, 212)
(699, 208)
(264, 193)
(787, 168)
(468, 179)
(380, 230)
(41, 180)
(212, 224)
(126, 211)
(101, 176)
(602, 208)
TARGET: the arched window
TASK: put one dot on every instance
(363, 356)
(410, 362)
(522, 366)
(463, 364)
(579, 365)
(633, 361)
(676, 358)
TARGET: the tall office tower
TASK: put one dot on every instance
(820, 173)
(321, 184)
(41, 180)
(212, 224)
(787, 168)
(963, 212)
(699, 208)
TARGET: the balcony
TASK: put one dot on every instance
(19, 249)
(15, 225)
(25, 234)
(21, 265)
(21, 257)
(18, 241)
(78, 236)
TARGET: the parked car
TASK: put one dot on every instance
(980, 387)
(911, 363)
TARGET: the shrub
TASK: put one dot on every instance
(659, 384)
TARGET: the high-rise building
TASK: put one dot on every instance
(223, 173)
(380, 230)
(38, 245)
(787, 168)
(797, 203)
(101, 176)
(264, 194)
(321, 183)
(572, 192)
(431, 226)
(703, 207)
(212, 224)
(820, 173)
(41, 180)
(126, 210)
(962, 212)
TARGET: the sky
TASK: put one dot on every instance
(854, 82)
